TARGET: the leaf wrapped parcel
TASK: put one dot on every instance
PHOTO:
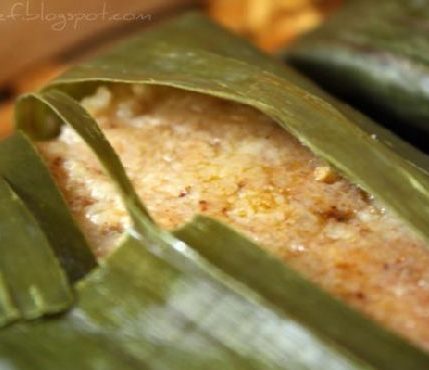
(191, 299)
(375, 54)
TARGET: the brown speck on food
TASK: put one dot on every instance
(343, 266)
(360, 295)
(185, 192)
(337, 214)
(366, 197)
(204, 205)
(241, 184)
(57, 161)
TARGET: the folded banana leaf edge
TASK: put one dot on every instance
(193, 299)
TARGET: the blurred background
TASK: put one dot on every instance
(42, 37)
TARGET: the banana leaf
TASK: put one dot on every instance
(32, 283)
(193, 299)
(40, 246)
(139, 311)
(23, 168)
(374, 54)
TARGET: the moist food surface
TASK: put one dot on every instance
(187, 153)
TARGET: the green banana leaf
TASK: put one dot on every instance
(40, 246)
(32, 282)
(193, 299)
(23, 168)
(139, 310)
(376, 55)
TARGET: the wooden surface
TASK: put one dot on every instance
(6, 112)
(35, 30)
(40, 38)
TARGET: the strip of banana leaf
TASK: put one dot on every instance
(375, 54)
(23, 168)
(32, 283)
(111, 321)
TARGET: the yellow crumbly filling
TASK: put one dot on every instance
(187, 153)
